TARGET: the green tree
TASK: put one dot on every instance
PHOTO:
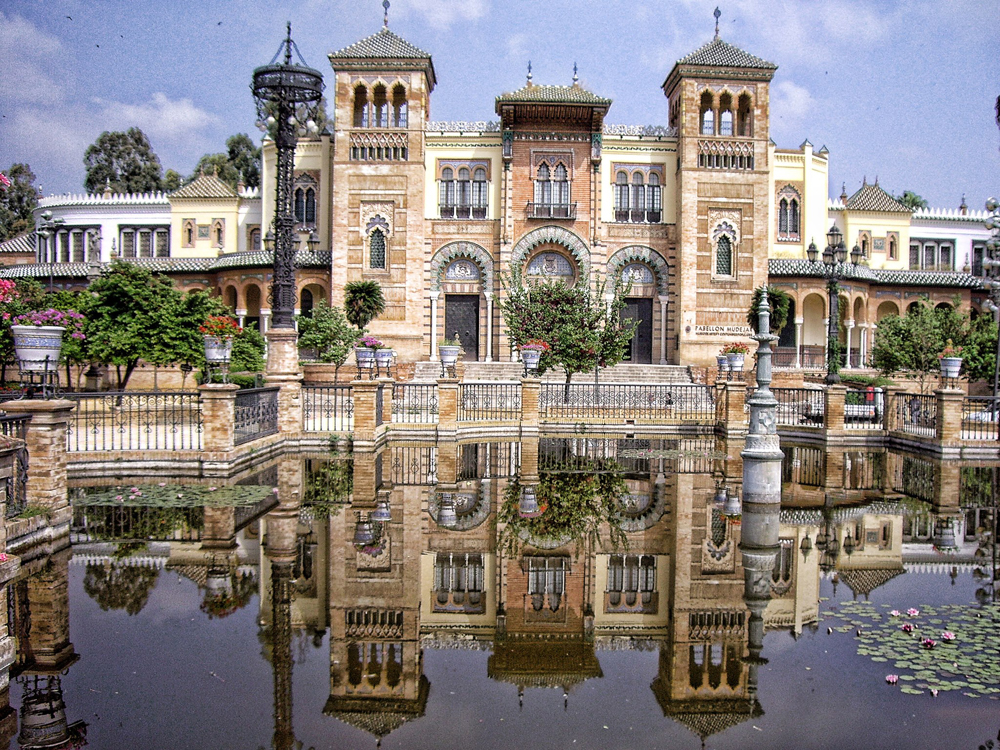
(911, 200)
(125, 161)
(240, 161)
(582, 330)
(329, 333)
(780, 304)
(120, 586)
(248, 351)
(172, 180)
(17, 202)
(363, 302)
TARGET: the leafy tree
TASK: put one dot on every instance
(911, 200)
(74, 351)
(780, 304)
(17, 201)
(172, 181)
(582, 331)
(125, 161)
(329, 333)
(120, 586)
(240, 161)
(248, 351)
(28, 295)
(363, 302)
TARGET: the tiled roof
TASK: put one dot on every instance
(720, 54)
(785, 267)
(865, 581)
(553, 95)
(874, 198)
(384, 44)
(23, 243)
(205, 186)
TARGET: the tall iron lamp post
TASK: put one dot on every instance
(288, 99)
(991, 274)
(834, 257)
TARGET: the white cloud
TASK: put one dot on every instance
(441, 14)
(28, 55)
(159, 118)
(517, 47)
(790, 102)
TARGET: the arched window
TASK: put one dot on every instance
(306, 303)
(621, 196)
(380, 105)
(744, 117)
(543, 186)
(893, 249)
(463, 193)
(361, 107)
(793, 218)
(725, 115)
(376, 249)
(398, 106)
(480, 195)
(310, 206)
(724, 256)
(560, 192)
(783, 217)
(707, 114)
(788, 214)
(188, 233)
(300, 205)
(654, 203)
(638, 197)
(447, 193)
(218, 234)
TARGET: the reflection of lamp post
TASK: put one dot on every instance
(288, 100)
(527, 505)
(834, 257)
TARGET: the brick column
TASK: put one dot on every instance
(283, 371)
(46, 438)
(447, 463)
(834, 408)
(736, 418)
(364, 393)
(219, 531)
(387, 384)
(530, 414)
(447, 407)
(949, 415)
(218, 417)
(889, 406)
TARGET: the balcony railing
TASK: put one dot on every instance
(463, 212)
(637, 216)
(551, 211)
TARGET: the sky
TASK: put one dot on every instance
(902, 91)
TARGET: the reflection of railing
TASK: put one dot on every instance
(375, 623)
(914, 413)
(327, 408)
(256, 414)
(134, 420)
(17, 482)
(800, 406)
(671, 403)
(980, 418)
(478, 402)
(415, 402)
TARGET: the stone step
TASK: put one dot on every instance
(512, 371)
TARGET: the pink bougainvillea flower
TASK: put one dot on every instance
(892, 679)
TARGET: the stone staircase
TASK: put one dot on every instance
(512, 371)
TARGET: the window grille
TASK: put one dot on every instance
(376, 249)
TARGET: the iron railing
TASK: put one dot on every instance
(914, 413)
(415, 403)
(327, 408)
(413, 465)
(784, 356)
(256, 414)
(800, 406)
(813, 357)
(980, 418)
(482, 402)
(17, 483)
(551, 210)
(134, 420)
(667, 403)
(864, 409)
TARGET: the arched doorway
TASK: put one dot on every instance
(645, 273)
(463, 273)
(253, 307)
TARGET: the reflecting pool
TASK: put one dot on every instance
(559, 592)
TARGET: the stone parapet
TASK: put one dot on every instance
(836, 396)
(447, 406)
(218, 415)
(364, 393)
(46, 439)
(948, 427)
(530, 391)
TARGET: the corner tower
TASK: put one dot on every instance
(719, 103)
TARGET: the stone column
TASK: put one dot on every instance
(447, 407)
(889, 396)
(834, 408)
(798, 343)
(364, 393)
(386, 384)
(735, 415)
(849, 324)
(489, 326)
(283, 371)
(949, 416)
(434, 312)
(46, 438)
(663, 328)
(218, 415)
(530, 391)
(826, 342)
(241, 316)
(863, 344)
(265, 321)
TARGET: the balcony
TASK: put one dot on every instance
(463, 212)
(551, 211)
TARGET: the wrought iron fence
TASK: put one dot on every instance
(256, 414)
(668, 403)
(914, 413)
(413, 465)
(800, 406)
(980, 418)
(415, 403)
(864, 408)
(813, 357)
(784, 356)
(17, 483)
(134, 420)
(488, 401)
(327, 408)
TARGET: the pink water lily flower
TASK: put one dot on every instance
(928, 643)
(892, 679)
(907, 627)
(947, 636)
(895, 613)
(912, 612)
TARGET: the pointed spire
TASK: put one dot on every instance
(717, 14)
(963, 207)
(529, 73)
(576, 78)
(843, 192)
(385, 19)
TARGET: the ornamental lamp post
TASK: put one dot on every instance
(288, 100)
(834, 258)
(991, 280)
(47, 227)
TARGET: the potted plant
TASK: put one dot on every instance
(219, 331)
(38, 337)
(735, 353)
(951, 360)
(450, 349)
(722, 362)
(531, 352)
(364, 351)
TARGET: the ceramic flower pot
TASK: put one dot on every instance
(449, 354)
(364, 356)
(530, 358)
(38, 347)
(950, 367)
(384, 357)
(218, 350)
(735, 361)
(722, 361)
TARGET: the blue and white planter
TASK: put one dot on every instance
(383, 357)
(530, 358)
(218, 350)
(950, 367)
(38, 347)
(365, 357)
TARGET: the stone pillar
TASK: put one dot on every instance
(663, 329)
(798, 343)
(826, 342)
(735, 416)
(863, 345)
(241, 316)
(265, 322)
(218, 415)
(530, 391)
(849, 325)
(447, 407)
(219, 531)
(364, 393)
(489, 326)
(889, 396)
(434, 336)
(834, 408)
(949, 416)
(386, 384)
(283, 371)
(46, 438)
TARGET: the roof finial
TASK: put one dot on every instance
(717, 14)
(963, 207)
(288, 43)
(843, 192)
(529, 72)
(385, 20)
(576, 78)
